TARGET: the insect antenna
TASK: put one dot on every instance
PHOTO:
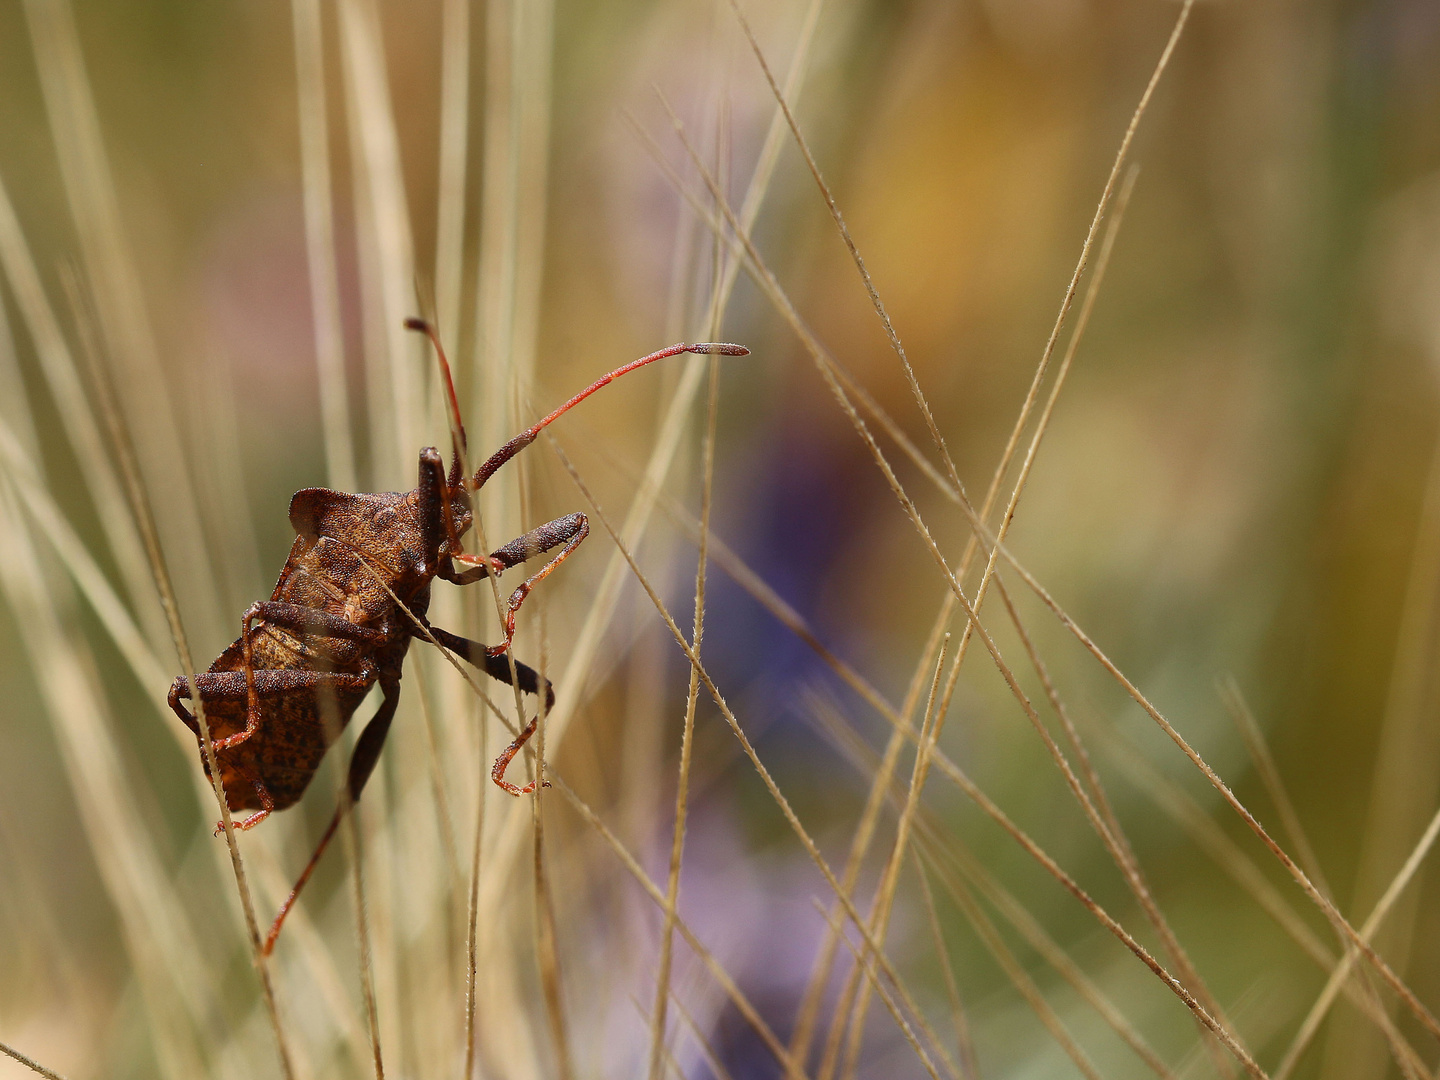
(457, 426)
(526, 437)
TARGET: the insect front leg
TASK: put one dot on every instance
(437, 518)
(569, 530)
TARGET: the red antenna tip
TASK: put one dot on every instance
(718, 348)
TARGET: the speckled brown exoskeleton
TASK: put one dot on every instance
(354, 592)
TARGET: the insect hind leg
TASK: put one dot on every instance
(267, 805)
(498, 667)
(362, 764)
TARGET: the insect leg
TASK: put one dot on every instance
(547, 536)
(267, 805)
(268, 682)
(569, 530)
(294, 617)
(497, 667)
(497, 771)
(437, 521)
(315, 622)
(362, 764)
(252, 697)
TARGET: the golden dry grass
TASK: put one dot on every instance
(1212, 455)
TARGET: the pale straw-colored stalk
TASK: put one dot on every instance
(959, 1016)
(29, 1062)
(397, 377)
(121, 309)
(454, 151)
(1121, 851)
(82, 431)
(682, 788)
(320, 253)
(938, 842)
(1342, 970)
(692, 693)
(156, 932)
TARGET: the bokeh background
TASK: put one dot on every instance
(1238, 498)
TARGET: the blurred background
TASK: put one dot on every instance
(223, 211)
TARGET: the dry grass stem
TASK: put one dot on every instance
(864, 829)
(1018, 916)
(937, 842)
(396, 378)
(727, 984)
(890, 876)
(1264, 762)
(1210, 838)
(1103, 820)
(354, 852)
(1413, 1003)
(473, 909)
(865, 959)
(953, 772)
(144, 518)
(765, 776)
(682, 787)
(1015, 971)
(959, 1020)
(1342, 970)
(547, 939)
(29, 1063)
(320, 245)
(174, 998)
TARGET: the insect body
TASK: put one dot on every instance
(354, 592)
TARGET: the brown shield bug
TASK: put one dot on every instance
(280, 695)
